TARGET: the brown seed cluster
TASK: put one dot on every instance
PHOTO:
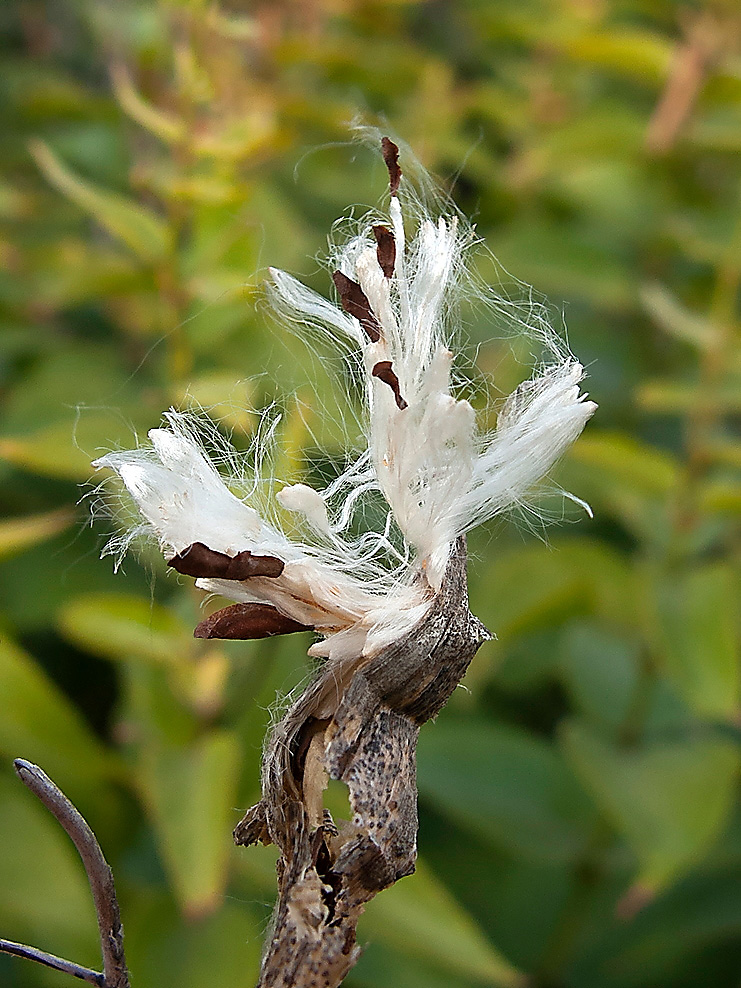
(353, 299)
(200, 561)
(384, 372)
(247, 621)
(355, 303)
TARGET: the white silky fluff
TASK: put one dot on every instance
(438, 475)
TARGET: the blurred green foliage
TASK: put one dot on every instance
(580, 819)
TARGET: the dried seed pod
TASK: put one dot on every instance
(244, 622)
(385, 249)
(355, 303)
(390, 153)
(200, 561)
(385, 372)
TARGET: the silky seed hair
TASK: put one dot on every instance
(398, 279)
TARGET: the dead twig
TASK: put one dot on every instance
(358, 722)
(51, 960)
(100, 878)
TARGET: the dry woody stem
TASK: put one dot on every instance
(114, 974)
(357, 722)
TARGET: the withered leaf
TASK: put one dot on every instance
(200, 561)
(243, 622)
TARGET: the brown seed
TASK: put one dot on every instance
(385, 250)
(384, 372)
(391, 157)
(246, 621)
(355, 302)
(200, 561)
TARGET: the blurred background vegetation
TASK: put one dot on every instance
(580, 819)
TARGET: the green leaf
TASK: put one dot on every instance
(624, 460)
(380, 964)
(626, 478)
(72, 381)
(50, 902)
(227, 400)
(721, 497)
(565, 265)
(504, 785)
(64, 449)
(537, 586)
(191, 793)
(17, 534)
(420, 917)
(38, 722)
(599, 671)
(124, 627)
(82, 272)
(142, 231)
(669, 799)
(50, 452)
(153, 712)
(676, 397)
(633, 53)
(168, 950)
(688, 923)
(524, 589)
(697, 637)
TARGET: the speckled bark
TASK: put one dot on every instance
(358, 722)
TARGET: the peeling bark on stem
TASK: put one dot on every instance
(357, 722)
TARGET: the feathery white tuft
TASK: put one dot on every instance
(437, 474)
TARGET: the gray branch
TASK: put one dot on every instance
(100, 877)
(357, 722)
(50, 960)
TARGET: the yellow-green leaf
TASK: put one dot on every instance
(17, 534)
(50, 452)
(721, 497)
(164, 125)
(223, 397)
(634, 53)
(676, 397)
(140, 229)
(615, 455)
(64, 448)
(191, 793)
(125, 627)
